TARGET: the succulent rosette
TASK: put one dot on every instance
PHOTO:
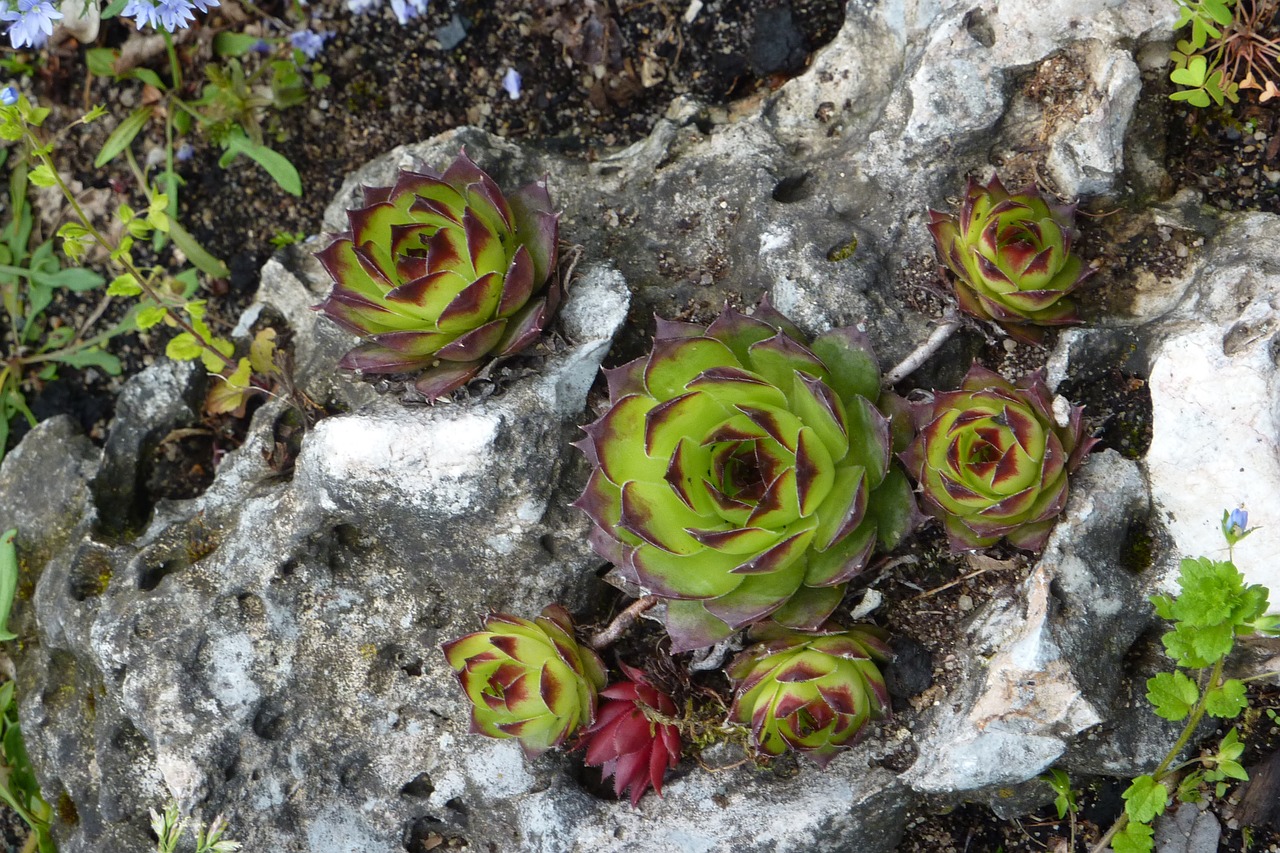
(626, 743)
(992, 461)
(810, 691)
(1011, 258)
(528, 680)
(441, 272)
(741, 474)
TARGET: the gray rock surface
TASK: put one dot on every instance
(270, 649)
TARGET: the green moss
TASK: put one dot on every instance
(1139, 551)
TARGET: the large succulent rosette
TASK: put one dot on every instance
(626, 743)
(528, 680)
(1011, 258)
(742, 474)
(441, 272)
(810, 691)
(992, 461)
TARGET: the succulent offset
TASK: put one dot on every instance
(992, 461)
(742, 474)
(626, 743)
(441, 272)
(1011, 258)
(810, 691)
(528, 680)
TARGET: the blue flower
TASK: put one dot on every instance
(8, 96)
(407, 10)
(511, 83)
(32, 23)
(184, 153)
(168, 15)
(1238, 520)
(308, 42)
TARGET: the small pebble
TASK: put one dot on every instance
(1010, 345)
(964, 602)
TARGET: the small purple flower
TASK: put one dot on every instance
(184, 153)
(1238, 520)
(170, 15)
(408, 9)
(308, 42)
(32, 23)
(143, 13)
(511, 84)
(8, 96)
(175, 14)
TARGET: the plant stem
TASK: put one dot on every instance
(950, 322)
(102, 241)
(1197, 714)
(615, 629)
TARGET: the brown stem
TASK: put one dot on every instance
(615, 629)
(949, 324)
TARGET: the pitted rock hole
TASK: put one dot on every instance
(793, 188)
(979, 26)
(149, 578)
(420, 787)
(90, 572)
(270, 721)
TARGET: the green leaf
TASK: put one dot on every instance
(1134, 838)
(43, 176)
(1145, 799)
(1227, 700)
(262, 352)
(184, 347)
(93, 357)
(8, 581)
(233, 44)
(146, 75)
(1173, 695)
(1192, 75)
(150, 315)
(76, 279)
(102, 60)
(115, 7)
(124, 285)
(199, 257)
(275, 164)
(123, 135)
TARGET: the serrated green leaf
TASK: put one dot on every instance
(124, 134)
(1163, 605)
(1134, 838)
(43, 176)
(1173, 695)
(1145, 799)
(149, 315)
(184, 347)
(124, 285)
(1227, 700)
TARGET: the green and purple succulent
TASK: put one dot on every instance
(529, 680)
(1011, 258)
(992, 460)
(440, 273)
(812, 691)
(741, 473)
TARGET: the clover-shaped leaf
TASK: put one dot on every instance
(1193, 74)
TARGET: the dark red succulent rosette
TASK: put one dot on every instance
(626, 743)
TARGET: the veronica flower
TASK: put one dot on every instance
(511, 84)
(410, 9)
(8, 96)
(308, 42)
(32, 23)
(170, 15)
(175, 14)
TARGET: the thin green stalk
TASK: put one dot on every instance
(102, 241)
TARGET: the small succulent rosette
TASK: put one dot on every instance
(1011, 258)
(813, 692)
(528, 680)
(626, 743)
(742, 473)
(992, 461)
(440, 273)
